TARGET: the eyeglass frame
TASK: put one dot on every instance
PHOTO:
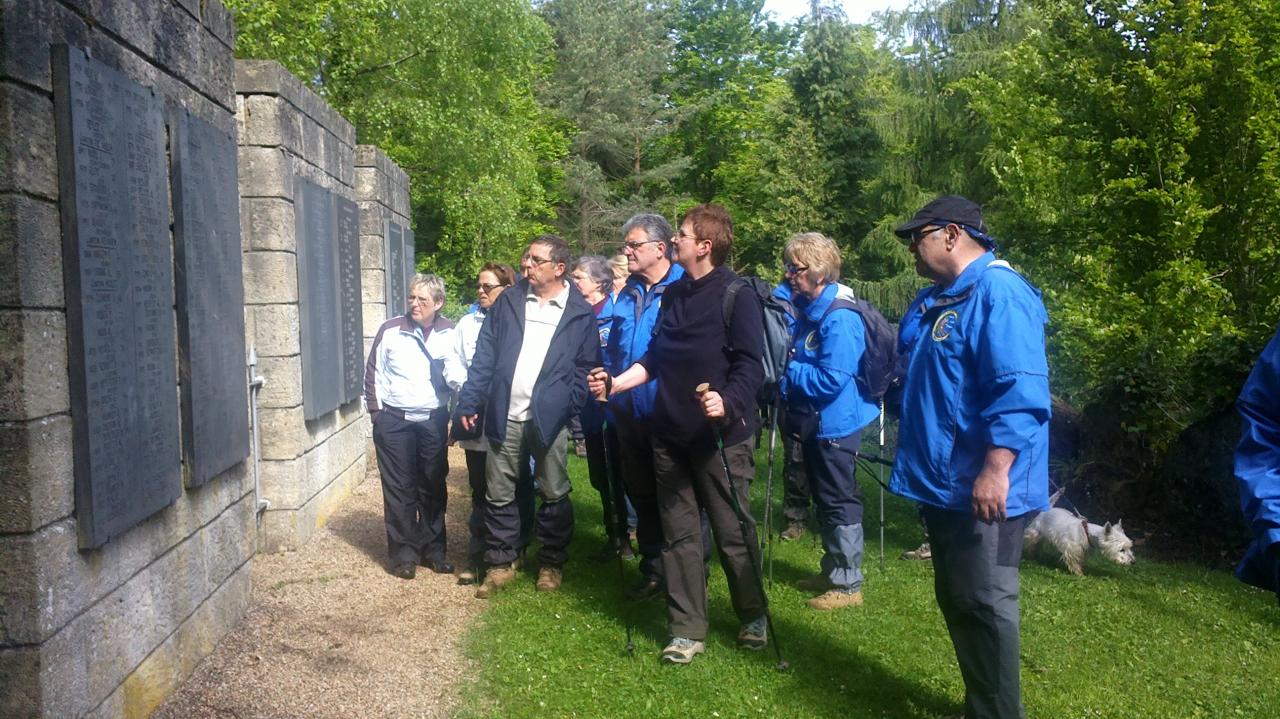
(792, 268)
(486, 288)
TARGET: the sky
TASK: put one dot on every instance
(858, 11)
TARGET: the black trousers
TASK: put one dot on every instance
(796, 497)
(604, 479)
(413, 462)
(476, 459)
(635, 447)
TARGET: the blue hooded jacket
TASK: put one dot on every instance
(635, 315)
(824, 366)
(1257, 468)
(977, 378)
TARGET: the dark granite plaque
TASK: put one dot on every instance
(352, 327)
(410, 260)
(210, 283)
(118, 268)
(397, 282)
(318, 300)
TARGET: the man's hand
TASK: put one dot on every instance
(469, 421)
(991, 488)
(598, 382)
(712, 404)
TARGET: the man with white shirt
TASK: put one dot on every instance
(529, 377)
(411, 373)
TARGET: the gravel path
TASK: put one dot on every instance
(331, 634)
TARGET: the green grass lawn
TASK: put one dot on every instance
(1150, 640)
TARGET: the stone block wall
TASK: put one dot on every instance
(107, 631)
(383, 190)
(286, 132)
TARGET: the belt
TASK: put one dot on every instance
(399, 413)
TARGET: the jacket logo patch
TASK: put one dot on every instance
(811, 341)
(943, 325)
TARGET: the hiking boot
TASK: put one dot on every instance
(921, 552)
(835, 599)
(404, 570)
(648, 588)
(682, 651)
(549, 579)
(580, 447)
(626, 552)
(469, 575)
(494, 579)
(815, 583)
(794, 530)
(754, 635)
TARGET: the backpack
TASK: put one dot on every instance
(778, 319)
(879, 368)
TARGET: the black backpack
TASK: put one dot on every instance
(879, 368)
(778, 315)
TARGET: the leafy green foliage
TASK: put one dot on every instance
(445, 88)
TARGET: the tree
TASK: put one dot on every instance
(445, 88)
(609, 87)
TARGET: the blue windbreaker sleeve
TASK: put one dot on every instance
(842, 340)
(1257, 457)
(1013, 373)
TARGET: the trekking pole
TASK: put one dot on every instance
(782, 664)
(618, 522)
(880, 474)
(768, 490)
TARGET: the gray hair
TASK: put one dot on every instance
(431, 283)
(598, 271)
(655, 228)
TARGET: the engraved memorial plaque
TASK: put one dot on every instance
(318, 300)
(352, 328)
(397, 282)
(118, 269)
(410, 260)
(210, 298)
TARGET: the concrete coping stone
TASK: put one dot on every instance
(268, 77)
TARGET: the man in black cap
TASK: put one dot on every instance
(973, 443)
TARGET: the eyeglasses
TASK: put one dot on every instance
(633, 246)
(486, 288)
(535, 261)
(415, 300)
(918, 236)
(793, 269)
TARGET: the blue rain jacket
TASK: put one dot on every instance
(635, 316)
(594, 414)
(977, 377)
(1257, 467)
(824, 366)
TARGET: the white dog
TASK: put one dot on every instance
(1071, 536)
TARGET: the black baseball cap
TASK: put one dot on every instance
(948, 209)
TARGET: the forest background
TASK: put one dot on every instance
(1127, 154)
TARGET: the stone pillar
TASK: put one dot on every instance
(383, 190)
(108, 631)
(288, 132)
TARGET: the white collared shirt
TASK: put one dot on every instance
(540, 322)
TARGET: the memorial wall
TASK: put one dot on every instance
(166, 212)
(305, 294)
(127, 521)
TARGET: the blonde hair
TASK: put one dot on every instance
(431, 283)
(818, 252)
(618, 263)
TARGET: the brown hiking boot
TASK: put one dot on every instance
(835, 599)
(922, 552)
(494, 579)
(549, 579)
(794, 530)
